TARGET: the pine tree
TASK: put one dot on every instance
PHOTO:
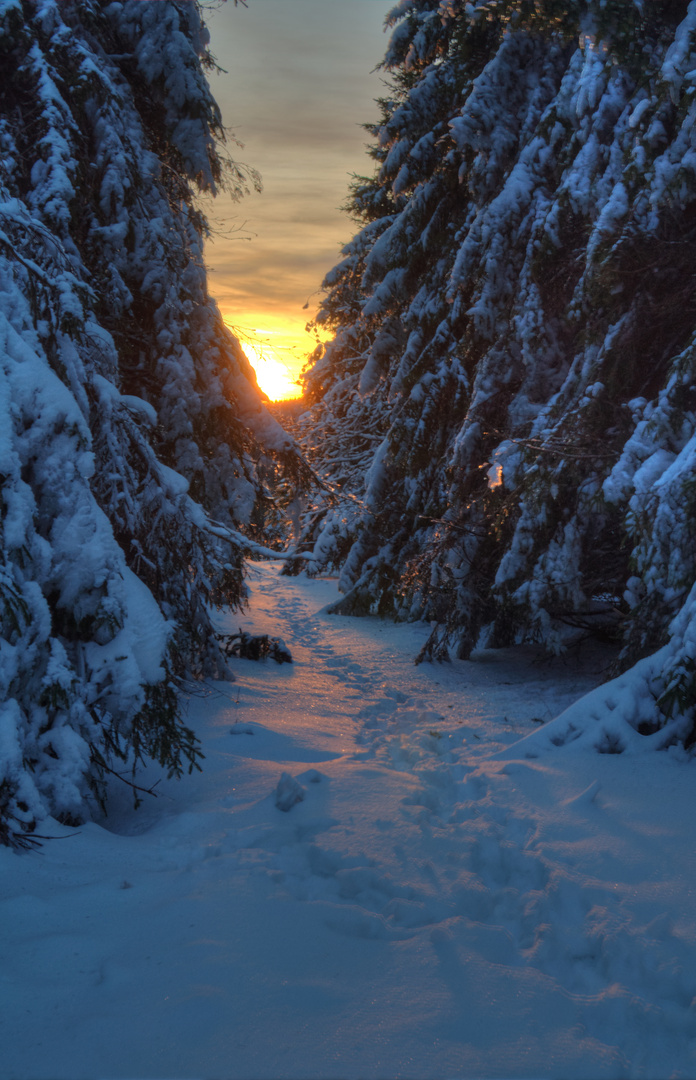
(131, 426)
(526, 250)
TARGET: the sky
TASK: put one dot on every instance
(299, 81)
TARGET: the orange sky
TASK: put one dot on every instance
(298, 84)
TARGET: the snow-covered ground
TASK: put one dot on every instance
(437, 904)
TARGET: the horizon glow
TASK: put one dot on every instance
(299, 82)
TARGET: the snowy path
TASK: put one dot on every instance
(429, 909)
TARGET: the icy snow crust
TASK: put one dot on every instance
(437, 903)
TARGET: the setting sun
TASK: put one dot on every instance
(272, 375)
(276, 347)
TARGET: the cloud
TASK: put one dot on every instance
(298, 87)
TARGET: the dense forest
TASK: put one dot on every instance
(503, 419)
(505, 414)
(135, 451)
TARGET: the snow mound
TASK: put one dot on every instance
(621, 716)
(288, 792)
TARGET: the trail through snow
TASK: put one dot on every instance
(436, 904)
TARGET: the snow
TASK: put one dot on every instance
(145, 630)
(679, 55)
(370, 878)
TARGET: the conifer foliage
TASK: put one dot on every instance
(130, 421)
(516, 321)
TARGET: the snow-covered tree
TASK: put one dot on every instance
(131, 426)
(517, 313)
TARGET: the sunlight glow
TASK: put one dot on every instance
(495, 476)
(272, 374)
